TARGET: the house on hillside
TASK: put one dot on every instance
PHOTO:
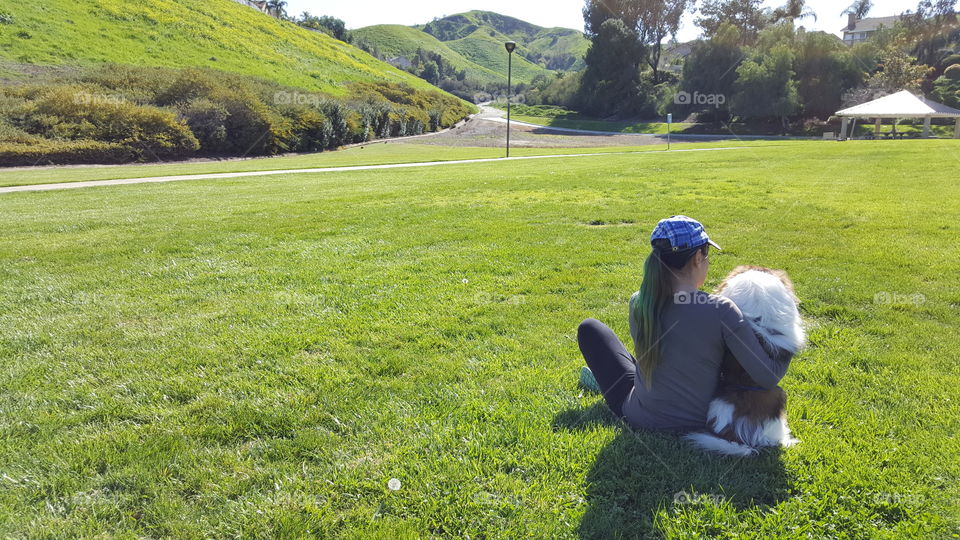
(674, 55)
(860, 30)
(401, 62)
(259, 5)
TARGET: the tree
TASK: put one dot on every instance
(765, 86)
(207, 120)
(659, 19)
(898, 72)
(430, 73)
(651, 20)
(859, 9)
(793, 10)
(825, 68)
(711, 69)
(331, 26)
(747, 15)
(609, 84)
(932, 27)
(946, 89)
(277, 8)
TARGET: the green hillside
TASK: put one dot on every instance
(107, 81)
(218, 34)
(487, 50)
(393, 40)
(473, 42)
(552, 48)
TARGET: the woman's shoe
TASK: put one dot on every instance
(588, 381)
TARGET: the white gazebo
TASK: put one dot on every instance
(903, 104)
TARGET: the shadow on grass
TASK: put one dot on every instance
(640, 473)
(659, 129)
(596, 133)
(707, 135)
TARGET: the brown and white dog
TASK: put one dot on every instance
(744, 417)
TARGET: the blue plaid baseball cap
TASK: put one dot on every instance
(682, 232)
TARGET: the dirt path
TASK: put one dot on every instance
(489, 129)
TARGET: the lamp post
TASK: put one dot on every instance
(669, 124)
(510, 46)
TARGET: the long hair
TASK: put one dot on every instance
(656, 292)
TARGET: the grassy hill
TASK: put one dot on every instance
(218, 34)
(472, 32)
(486, 50)
(106, 81)
(394, 40)
(473, 42)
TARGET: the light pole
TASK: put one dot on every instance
(510, 46)
(669, 123)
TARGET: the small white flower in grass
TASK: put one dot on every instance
(394, 484)
(465, 281)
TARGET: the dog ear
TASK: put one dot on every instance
(736, 272)
(785, 279)
(780, 274)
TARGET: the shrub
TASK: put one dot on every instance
(48, 152)
(314, 131)
(191, 84)
(248, 124)
(953, 72)
(207, 121)
(235, 115)
(375, 117)
(72, 113)
(12, 134)
(159, 113)
(946, 89)
(451, 110)
(133, 83)
(356, 129)
(951, 60)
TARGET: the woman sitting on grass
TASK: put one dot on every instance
(679, 333)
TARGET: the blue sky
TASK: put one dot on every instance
(565, 13)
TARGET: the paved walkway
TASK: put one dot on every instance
(214, 176)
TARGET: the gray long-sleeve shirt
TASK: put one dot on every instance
(695, 335)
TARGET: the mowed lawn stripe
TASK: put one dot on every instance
(45, 178)
(212, 176)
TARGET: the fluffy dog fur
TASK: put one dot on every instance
(744, 417)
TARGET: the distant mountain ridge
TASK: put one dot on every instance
(472, 43)
(559, 49)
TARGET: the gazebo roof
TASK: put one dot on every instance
(903, 104)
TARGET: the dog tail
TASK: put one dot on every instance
(713, 443)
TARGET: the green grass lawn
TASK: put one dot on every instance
(259, 358)
(659, 128)
(371, 154)
(560, 118)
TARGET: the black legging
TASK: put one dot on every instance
(608, 359)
